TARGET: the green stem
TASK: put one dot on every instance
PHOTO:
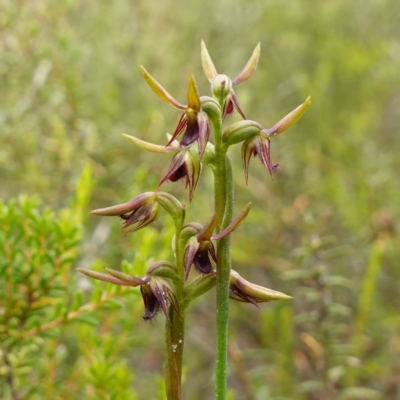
(223, 207)
(175, 330)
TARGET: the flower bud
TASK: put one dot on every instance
(240, 131)
(221, 87)
(211, 107)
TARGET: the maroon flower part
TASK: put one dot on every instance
(156, 291)
(247, 292)
(200, 250)
(158, 294)
(184, 166)
(137, 213)
(261, 147)
(222, 85)
(194, 122)
(260, 144)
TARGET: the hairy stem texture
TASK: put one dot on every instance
(223, 206)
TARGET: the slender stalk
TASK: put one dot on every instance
(175, 330)
(223, 207)
(174, 340)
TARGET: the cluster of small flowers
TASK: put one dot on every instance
(194, 149)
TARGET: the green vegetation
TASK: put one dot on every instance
(324, 230)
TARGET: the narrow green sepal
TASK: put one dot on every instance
(106, 278)
(287, 121)
(234, 224)
(152, 148)
(241, 131)
(249, 68)
(193, 94)
(207, 63)
(131, 280)
(160, 91)
(208, 229)
(199, 285)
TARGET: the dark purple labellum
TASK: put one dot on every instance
(180, 173)
(151, 304)
(202, 261)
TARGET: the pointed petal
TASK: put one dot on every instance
(263, 151)
(234, 224)
(153, 148)
(190, 253)
(236, 104)
(208, 65)
(160, 292)
(228, 108)
(192, 129)
(193, 171)
(129, 279)
(248, 148)
(208, 229)
(172, 299)
(102, 277)
(288, 120)
(193, 95)
(182, 124)
(250, 67)
(204, 132)
(160, 91)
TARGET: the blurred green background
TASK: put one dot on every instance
(324, 230)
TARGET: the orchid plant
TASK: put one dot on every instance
(206, 249)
